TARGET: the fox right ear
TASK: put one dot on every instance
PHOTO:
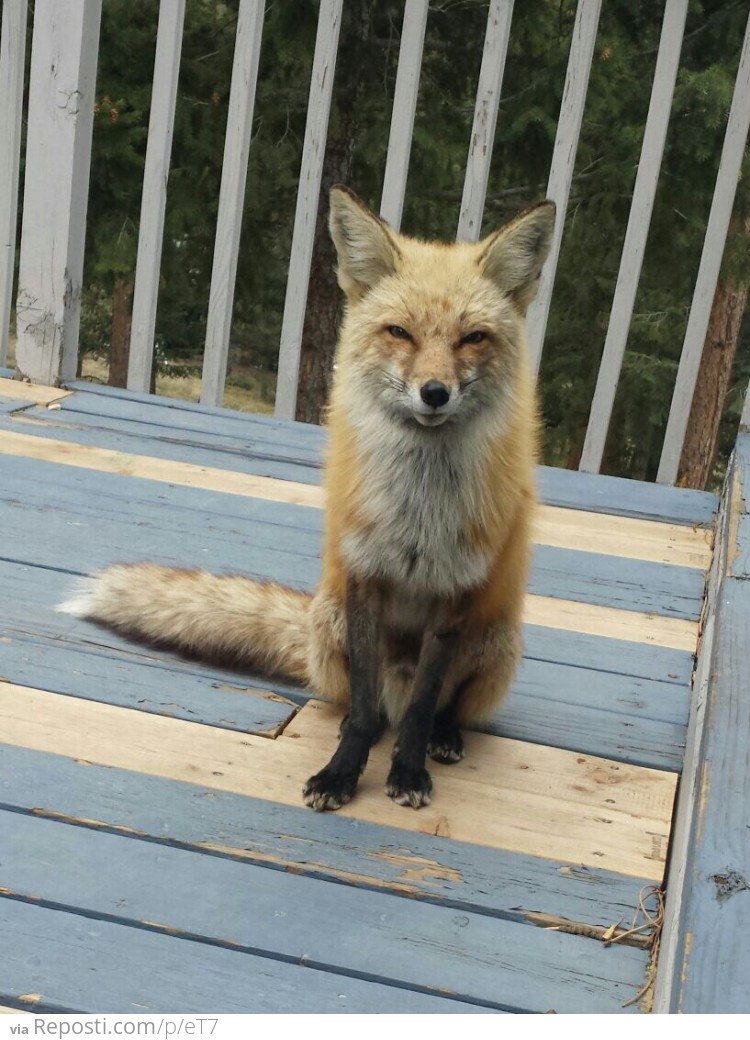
(513, 256)
(364, 244)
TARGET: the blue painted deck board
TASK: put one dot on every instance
(173, 411)
(450, 873)
(407, 913)
(633, 720)
(557, 487)
(615, 656)
(161, 443)
(622, 497)
(77, 964)
(363, 933)
(194, 527)
(712, 972)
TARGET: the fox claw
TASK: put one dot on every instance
(328, 790)
(446, 748)
(411, 787)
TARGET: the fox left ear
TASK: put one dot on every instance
(365, 245)
(513, 256)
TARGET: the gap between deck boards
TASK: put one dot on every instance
(507, 794)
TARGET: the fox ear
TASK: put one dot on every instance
(513, 256)
(364, 244)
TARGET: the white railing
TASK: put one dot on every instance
(61, 101)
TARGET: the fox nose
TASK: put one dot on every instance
(434, 393)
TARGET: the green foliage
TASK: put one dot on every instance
(606, 165)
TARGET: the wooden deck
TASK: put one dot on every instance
(155, 852)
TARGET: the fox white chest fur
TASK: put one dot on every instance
(420, 494)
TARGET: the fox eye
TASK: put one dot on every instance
(473, 337)
(398, 333)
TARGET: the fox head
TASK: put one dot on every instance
(433, 332)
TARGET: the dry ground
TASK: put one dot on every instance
(246, 391)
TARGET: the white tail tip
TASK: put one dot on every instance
(83, 601)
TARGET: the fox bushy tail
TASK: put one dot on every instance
(219, 617)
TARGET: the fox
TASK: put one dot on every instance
(429, 494)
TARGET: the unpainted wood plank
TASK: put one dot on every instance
(639, 220)
(154, 196)
(420, 866)
(486, 108)
(231, 199)
(62, 80)
(404, 108)
(730, 164)
(612, 622)
(625, 536)
(31, 393)
(12, 63)
(362, 933)
(563, 161)
(306, 213)
(527, 798)
(148, 468)
(55, 960)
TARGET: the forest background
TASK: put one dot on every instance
(606, 165)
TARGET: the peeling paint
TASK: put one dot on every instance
(419, 869)
(83, 821)
(728, 884)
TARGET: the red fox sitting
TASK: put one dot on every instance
(430, 494)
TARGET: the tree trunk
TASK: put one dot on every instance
(702, 435)
(324, 301)
(119, 340)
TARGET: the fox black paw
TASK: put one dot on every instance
(329, 789)
(446, 745)
(408, 786)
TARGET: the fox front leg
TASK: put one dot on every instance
(408, 781)
(334, 786)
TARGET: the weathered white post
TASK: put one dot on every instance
(154, 197)
(231, 200)
(305, 217)
(12, 57)
(58, 153)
